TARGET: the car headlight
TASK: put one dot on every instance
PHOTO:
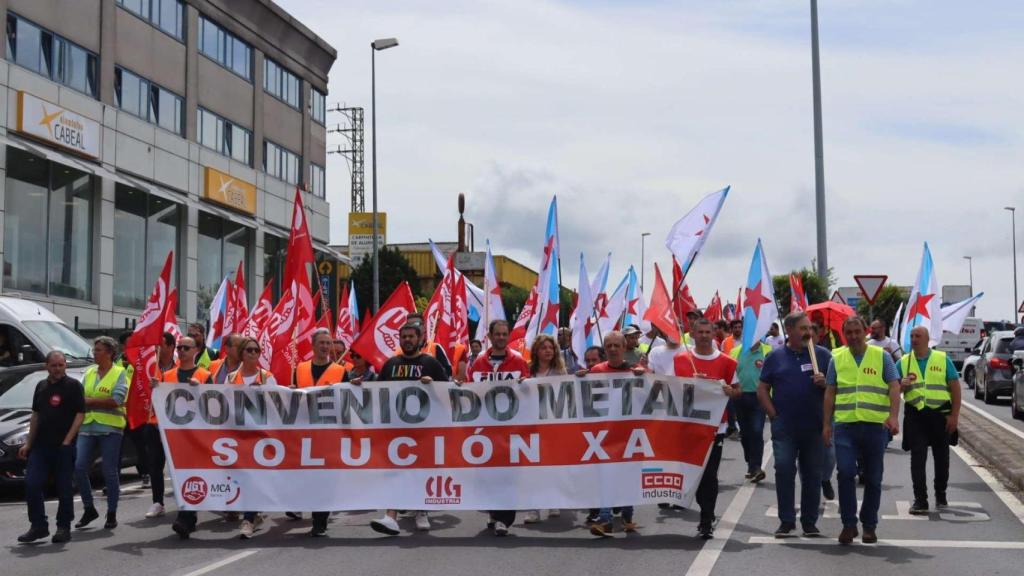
(16, 439)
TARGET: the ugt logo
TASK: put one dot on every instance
(194, 490)
(442, 490)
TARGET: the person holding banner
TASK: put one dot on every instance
(592, 357)
(229, 362)
(361, 370)
(615, 348)
(863, 395)
(410, 364)
(320, 371)
(792, 391)
(706, 361)
(106, 390)
(154, 453)
(545, 360)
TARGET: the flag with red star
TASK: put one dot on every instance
(545, 320)
(493, 309)
(688, 235)
(923, 307)
(759, 309)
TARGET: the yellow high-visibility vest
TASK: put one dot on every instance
(862, 394)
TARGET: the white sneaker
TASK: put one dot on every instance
(247, 530)
(386, 525)
(156, 510)
(531, 517)
(422, 522)
(554, 513)
(500, 529)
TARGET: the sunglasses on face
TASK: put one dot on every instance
(183, 347)
(252, 350)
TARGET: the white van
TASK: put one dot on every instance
(960, 346)
(28, 332)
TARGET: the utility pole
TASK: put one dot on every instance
(354, 153)
(819, 153)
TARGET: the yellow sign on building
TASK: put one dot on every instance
(230, 191)
(360, 234)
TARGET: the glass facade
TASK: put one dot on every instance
(317, 181)
(222, 245)
(225, 48)
(148, 101)
(46, 53)
(145, 230)
(223, 136)
(57, 200)
(318, 110)
(274, 249)
(281, 83)
(281, 163)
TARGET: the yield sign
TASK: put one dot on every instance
(870, 285)
(837, 298)
(1021, 309)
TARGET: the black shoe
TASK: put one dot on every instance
(748, 475)
(940, 501)
(919, 508)
(785, 530)
(705, 531)
(591, 518)
(34, 533)
(757, 477)
(869, 536)
(88, 515)
(182, 529)
(145, 482)
(111, 522)
(827, 491)
(811, 531)
(318, 531)
(294, 515)
(662, 506)
(62, 535)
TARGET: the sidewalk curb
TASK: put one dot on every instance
(999, 451)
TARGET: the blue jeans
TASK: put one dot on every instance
(750, 417)
(791, 446)
(42, 460)
(828, 463)
(605, 515)
(109, 446)
(865, 441)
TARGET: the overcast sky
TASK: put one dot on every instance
(630, 111)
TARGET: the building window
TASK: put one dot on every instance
(224, 137)
(225, 48)
(274, 250)
(167, 15)
(281, 163)
(222, 244)
(47, 227)
(318, 111)
(279, 82)
(317, 182)
(148, 101)
(145, 230)
(50, 55)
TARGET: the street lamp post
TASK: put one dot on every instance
(643, 261)
(381, 44)
(970, 272)
(1013, 224)
(819, 153)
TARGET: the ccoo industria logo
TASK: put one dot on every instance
(655, 483)
(442, 490)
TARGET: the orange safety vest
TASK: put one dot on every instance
(304, 375)
(171, 376)
(236, 376)
(215, 368)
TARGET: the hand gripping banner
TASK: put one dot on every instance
(555, 442)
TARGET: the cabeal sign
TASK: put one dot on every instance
(229, 191)
(554, 442)
(59, 126)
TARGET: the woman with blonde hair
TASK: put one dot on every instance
(545, 360)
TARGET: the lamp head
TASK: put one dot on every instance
(384, 43)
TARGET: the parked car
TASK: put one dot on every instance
(962, 344)
(1017, 396)
(993, 372)
(970, 367)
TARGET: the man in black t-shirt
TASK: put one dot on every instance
(58, 408)
(411, 364)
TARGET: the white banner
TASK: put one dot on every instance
(556, 442)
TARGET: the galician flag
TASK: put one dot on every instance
(545, 319)
(493, 308)
(923, 306)
(582, 320)
(759, 309)
(610, 314)
(953, 316)
(688, 235)
(633, 312)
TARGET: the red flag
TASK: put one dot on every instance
(460, 315)
(277, 339)
(378, 341)
(171, 315)
(227, 319)
(241, 301)
(139, 348)
(797, 297)
(305, 323)
(343, 329)
(260, 312)
(682, 300)
(714, 310)
(323, 320)
(299, 258)
(367, 320)
(525, 315)
(660, 313)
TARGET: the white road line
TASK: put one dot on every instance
(222, 563)
(977, 544)
(1011, 501)
(997, 421)
(712, 549)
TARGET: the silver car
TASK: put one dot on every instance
(994, 373)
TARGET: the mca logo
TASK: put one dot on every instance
(442, 490)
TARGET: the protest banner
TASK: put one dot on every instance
(554, 442)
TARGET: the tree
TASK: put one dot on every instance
(888, 301)
(815, 287)
(394, 269)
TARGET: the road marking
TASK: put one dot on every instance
(222, 563)
(997, 421)
(977, 544)
(1011, 501)
(954, 512)
(712, 549)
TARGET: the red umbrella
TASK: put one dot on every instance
(832, 315)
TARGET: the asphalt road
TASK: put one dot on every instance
(982, 532)
(1000, 410)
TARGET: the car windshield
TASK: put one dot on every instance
(19, 396)
(1003, 346)
(57, 336)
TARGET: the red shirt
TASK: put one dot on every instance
(717, 366)
(511, 368)
(605, 368)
